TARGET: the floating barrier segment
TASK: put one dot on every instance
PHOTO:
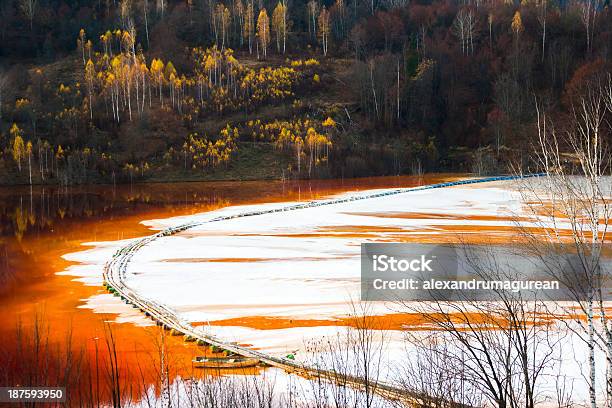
(115, 270)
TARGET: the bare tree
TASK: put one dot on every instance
(324, 28)
(439, 380)
(588, 10)
(28, 8)
(112, 367)
(313, 12)
(145, 12)
(464, 27)
(495, 350)
(490, 20)
(572, 207)
(353, 353)
(542, 17)
(161, 7)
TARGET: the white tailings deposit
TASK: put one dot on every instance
(295, 261)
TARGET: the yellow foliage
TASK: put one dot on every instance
(517, 23)
(329, 122)
(298, 135)
(206, 153)
(18, 148)
(63, 89)
(21, 103)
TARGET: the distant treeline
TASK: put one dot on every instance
(125, 89)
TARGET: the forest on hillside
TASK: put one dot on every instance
(136, 90)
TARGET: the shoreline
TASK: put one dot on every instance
(155, 181)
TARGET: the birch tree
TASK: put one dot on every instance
(90, 75)
(239, 16)
(464, 27)
(248, 29)
(459, 29)
(542, 17)
(145, 11)
(324, 29)
(157, 72)
(263, 31)
(222, 17)
(125, 9)
(18, 147)
(339, 13)
(279, 24)
(313, 12)
(28, 152)
(81, 44)
(517, 26)
(490, 19)
(587, 10)
(161, 8)
(576, 193)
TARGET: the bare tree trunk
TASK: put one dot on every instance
(575, 192)
(145, 4)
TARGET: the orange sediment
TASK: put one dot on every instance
(392, 321)
(41, 224)
(38, 229)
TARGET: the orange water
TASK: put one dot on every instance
(39, 225)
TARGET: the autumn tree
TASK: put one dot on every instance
(222, 21)
(125, 11)
(248, 27)
(157, 72)
(263, 31)
(90, 75)
(107, 44)
(324, 29)
(239, 17)
(517, 25)
(18, 149)
(279, 23)
(318, 145)
(28, 152)
(213, 19)
(171, 77)
(81, 44)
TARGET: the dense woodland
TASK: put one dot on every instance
(129, 90)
